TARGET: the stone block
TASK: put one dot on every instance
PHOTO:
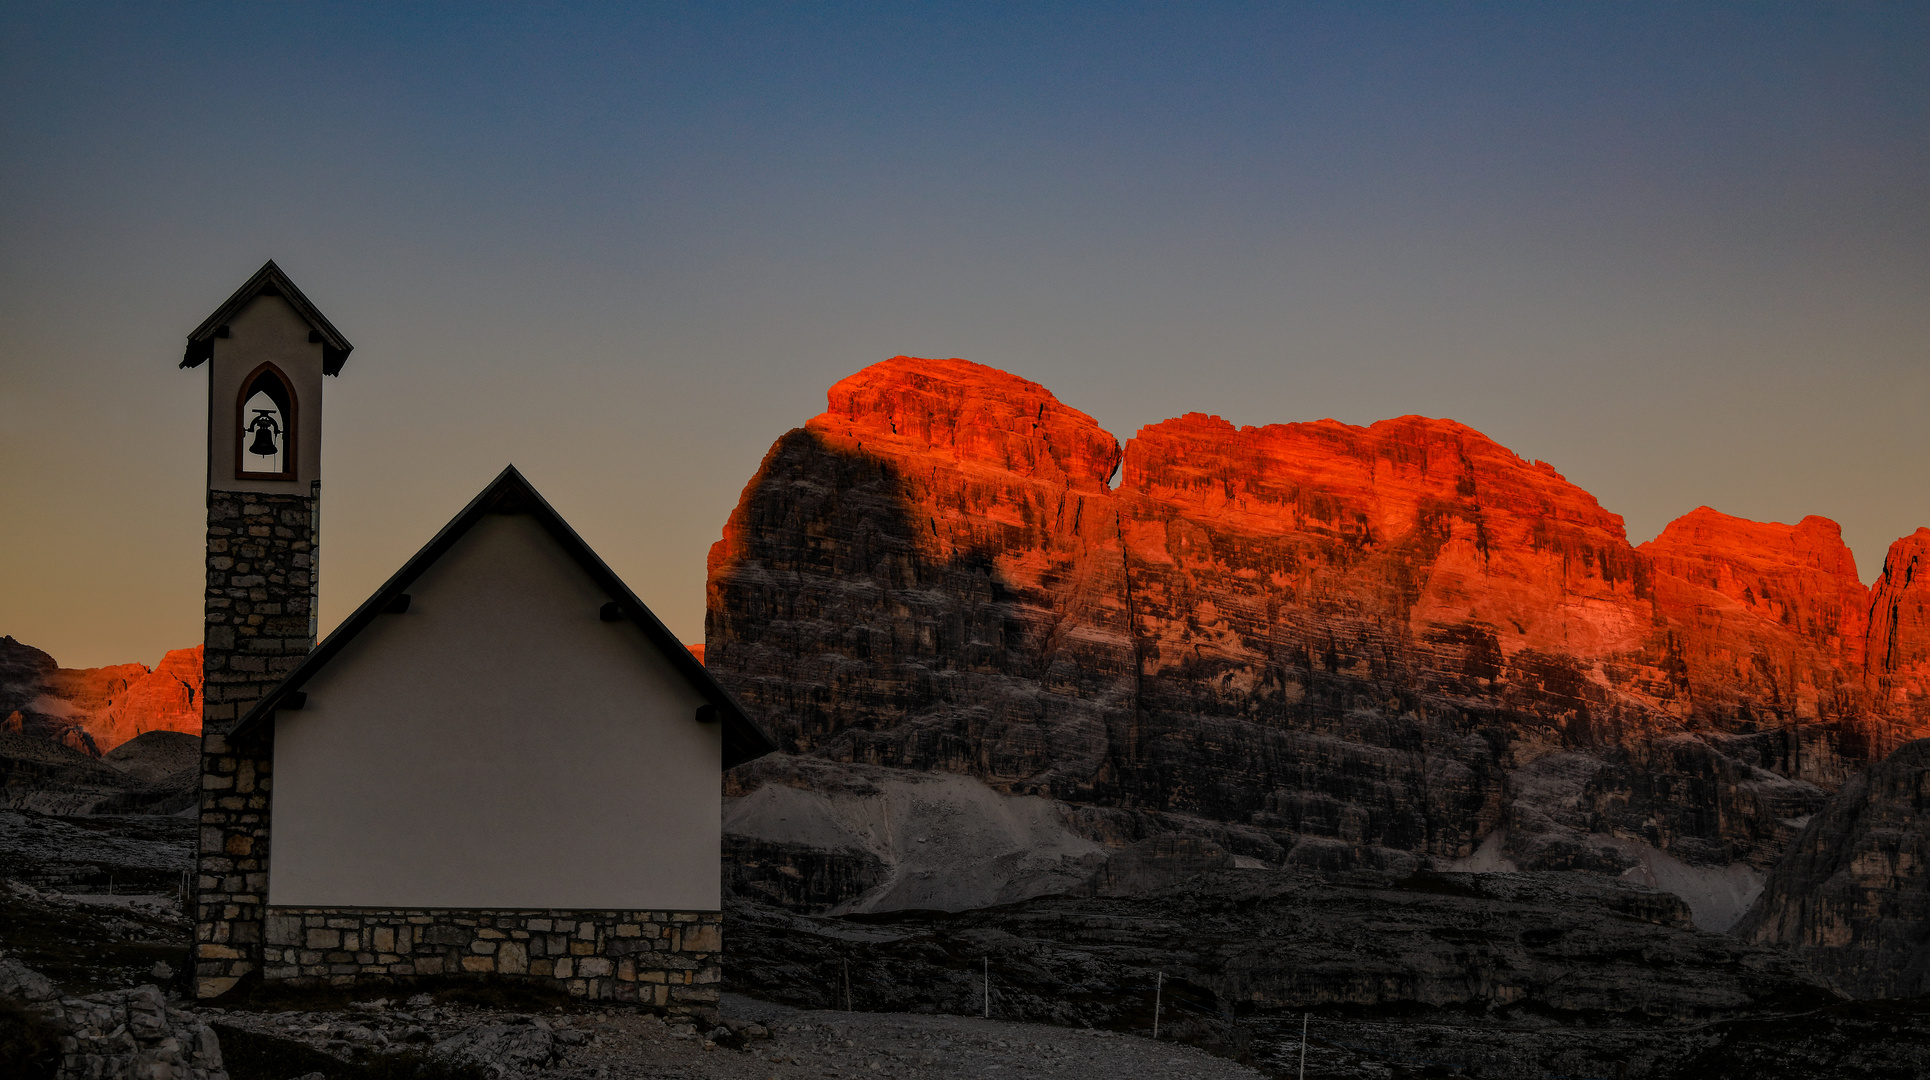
(214, 987)
(428, 965)
(564, 967)
(512, 958)
(324, 938)
(594, 966)
(383, 938)
(479, 964)
(704, 937)
(446, 935)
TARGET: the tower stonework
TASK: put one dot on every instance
(266, 350)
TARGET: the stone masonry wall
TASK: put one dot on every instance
(665, 959)
(260, 611)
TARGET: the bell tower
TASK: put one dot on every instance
(266, 350)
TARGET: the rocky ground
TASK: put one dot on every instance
(1497, 975)
(757, 1039)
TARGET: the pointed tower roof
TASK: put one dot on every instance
(510, 493)
(270, 281)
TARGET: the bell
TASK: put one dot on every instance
(264, 444)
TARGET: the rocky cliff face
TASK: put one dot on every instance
(929, 576)
(1852, 896)
(1302, 643)
(1898, 670)
(93, 710)
(1771, 620)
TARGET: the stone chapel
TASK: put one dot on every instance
(501, 764)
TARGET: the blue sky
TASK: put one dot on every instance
(1681, 252)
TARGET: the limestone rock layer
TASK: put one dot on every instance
(1309, 643)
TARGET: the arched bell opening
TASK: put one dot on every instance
(265, 426)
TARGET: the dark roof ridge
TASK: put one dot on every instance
(511, 493)
(269, 279)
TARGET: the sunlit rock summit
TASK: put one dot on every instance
(1386, 647)
(94, 710)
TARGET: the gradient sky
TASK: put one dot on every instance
(1681, 252)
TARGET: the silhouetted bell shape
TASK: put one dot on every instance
(264, 444)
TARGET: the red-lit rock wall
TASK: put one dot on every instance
(1345, 644)
(1771, 622)
(928, 575)
(96, 709)
(165, 699)
(1898, 669)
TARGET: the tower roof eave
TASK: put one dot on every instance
(270, 280)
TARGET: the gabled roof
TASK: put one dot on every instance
(509, 493)
(270, 281)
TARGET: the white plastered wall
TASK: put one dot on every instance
(266, 329)
(498, 746)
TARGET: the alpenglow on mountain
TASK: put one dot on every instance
(1387, 646)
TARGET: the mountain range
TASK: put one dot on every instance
(1392, 647)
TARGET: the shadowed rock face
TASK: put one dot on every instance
(93, 710)
(1852, 897)
(1304, 643)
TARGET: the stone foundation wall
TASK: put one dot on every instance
(665, 959)
(260, 612)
